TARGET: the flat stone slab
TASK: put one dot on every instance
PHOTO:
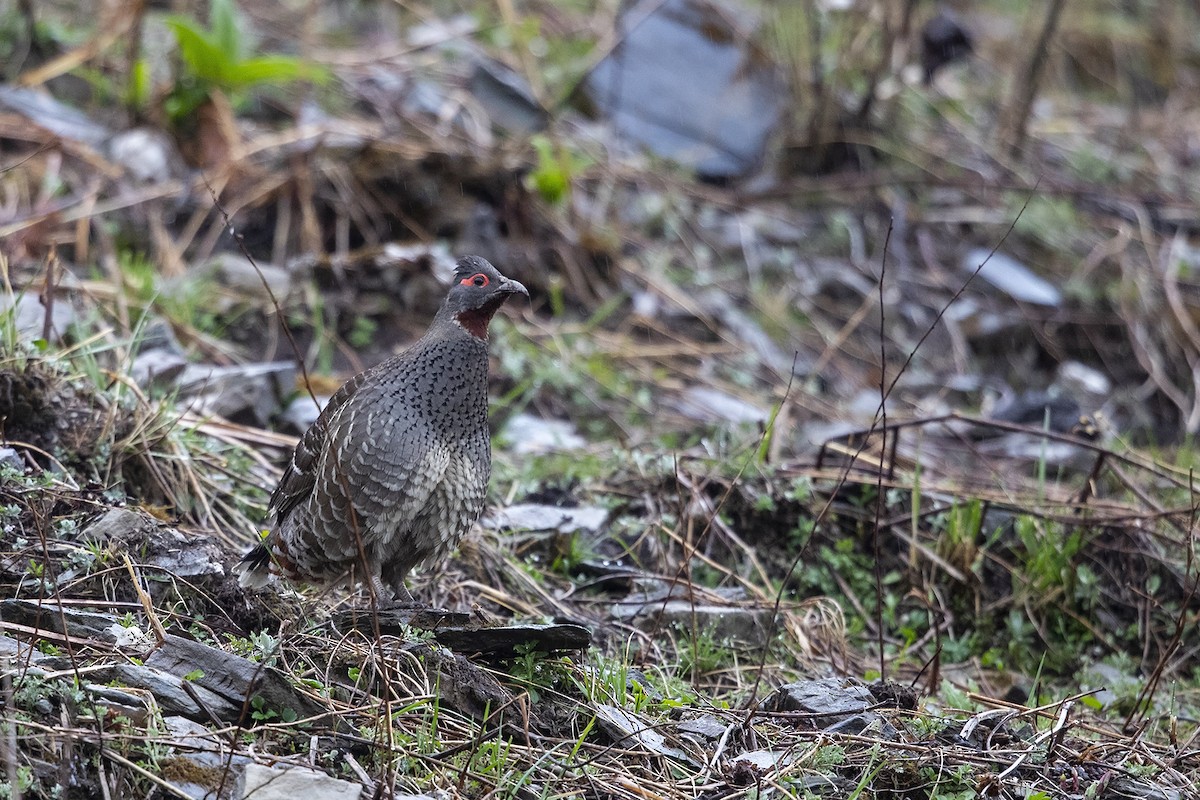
(294, 783)
(823, 697)
(464, 634)
(235, 679)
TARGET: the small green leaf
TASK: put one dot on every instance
(200, 53)
(271, 69)
(226, 34)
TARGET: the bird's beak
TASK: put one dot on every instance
(514, 287)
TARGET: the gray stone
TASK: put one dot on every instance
(1080, 379)
(977, 321)
(29, 315)
(866, 724)
(160, 545)
(243, 393)
(119, 701)
(1142, 790)
(539, 517)
(46, 616)
(1011, 277)
(147, 154)
(283, 782)
(171, 696)
(159, 368)
(729, 625)
(627, 730)
(707, 404)
(235, 271)
(685, 82)
(527, 434)
(765, 760)
(1110, 682)
(19, 651)
(506, 97)
(45, 111)
(822, 697)
(200, 764)
(704, 728)
(231, 677)
(11, 458)
(301, 413)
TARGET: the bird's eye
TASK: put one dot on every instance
(478, 279)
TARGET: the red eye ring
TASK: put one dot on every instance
(478, 279)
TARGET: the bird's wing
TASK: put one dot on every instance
(301, 472)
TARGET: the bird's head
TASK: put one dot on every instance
(478, 290)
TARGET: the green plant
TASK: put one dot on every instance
(260, 712)
(217, 58)
(535, 671)
(556, 168)
(701, 652)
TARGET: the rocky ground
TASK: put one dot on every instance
(844, 449)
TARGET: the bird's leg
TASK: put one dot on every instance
(401, 594)
(382, 594)
(403, 598)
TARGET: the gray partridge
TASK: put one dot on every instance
(395, 469)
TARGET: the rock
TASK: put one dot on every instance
(1110, 682)
(19, 651)
(822, 697)
(233, 678)
(29, 315)
(236, 272)
(12, 459)
(527, 434)
(462, 685)
(1011, 277)
(705, 729)
(977, 321)
(195, 702)
(46, 616)
(249, 393)
(158, 368)
(686, 82)
(866, 724)
(200, 762)
(731, 625)
(706, 404)
(539, 517)
(119, 701)
(282, 782)
(626, 731)
(1080, 379)
(746, 331)
(301, 413)
(764, 760)
(130, 639)
(464, 633)
(506, 97)
(1126, 787)
(59, 118)
(158, 545)
(147, 154)
(505, 640)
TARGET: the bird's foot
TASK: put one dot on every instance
(405, 603)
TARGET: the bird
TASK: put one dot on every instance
(395, 469)
(944, 40)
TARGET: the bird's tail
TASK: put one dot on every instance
(255, 568)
